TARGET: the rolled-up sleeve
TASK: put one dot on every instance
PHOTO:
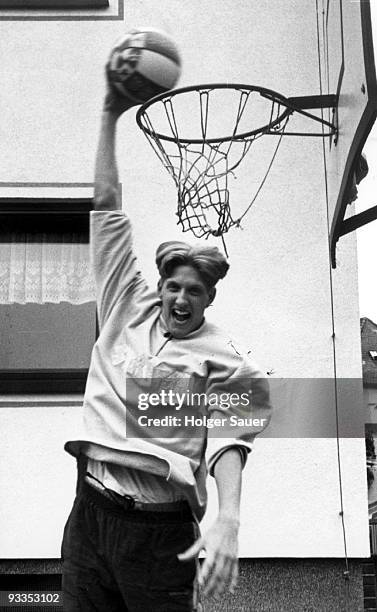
(241, 403)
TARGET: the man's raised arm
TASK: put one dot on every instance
(106, 185)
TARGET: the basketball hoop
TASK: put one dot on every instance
(199, 157)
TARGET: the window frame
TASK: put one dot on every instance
(53, 5)
(56, 216)
(49, 215)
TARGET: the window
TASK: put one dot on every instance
(46, 337)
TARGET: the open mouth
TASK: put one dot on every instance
(181, 316)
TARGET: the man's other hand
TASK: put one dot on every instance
(219, 571)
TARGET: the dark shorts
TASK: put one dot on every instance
(126, 560)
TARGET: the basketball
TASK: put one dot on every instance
(144, 63)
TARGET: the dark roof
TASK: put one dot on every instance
(368, 343)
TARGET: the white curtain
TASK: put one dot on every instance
(34, 268)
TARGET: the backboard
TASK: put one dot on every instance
(347, 69)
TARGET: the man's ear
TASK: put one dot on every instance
(211, 295)
(159, 287)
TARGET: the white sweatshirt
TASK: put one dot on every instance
(134, 354)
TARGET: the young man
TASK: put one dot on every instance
(131, 542)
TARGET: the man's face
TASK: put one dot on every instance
(184, 298)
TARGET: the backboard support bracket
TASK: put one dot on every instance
(353, 223)
(309, 102)
(301, 104)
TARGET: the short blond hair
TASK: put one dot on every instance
(209, 262)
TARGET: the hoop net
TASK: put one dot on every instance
(183, 128)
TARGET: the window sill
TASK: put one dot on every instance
(61, 10)
(34, 400)
(42, 383)
(53, 4)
